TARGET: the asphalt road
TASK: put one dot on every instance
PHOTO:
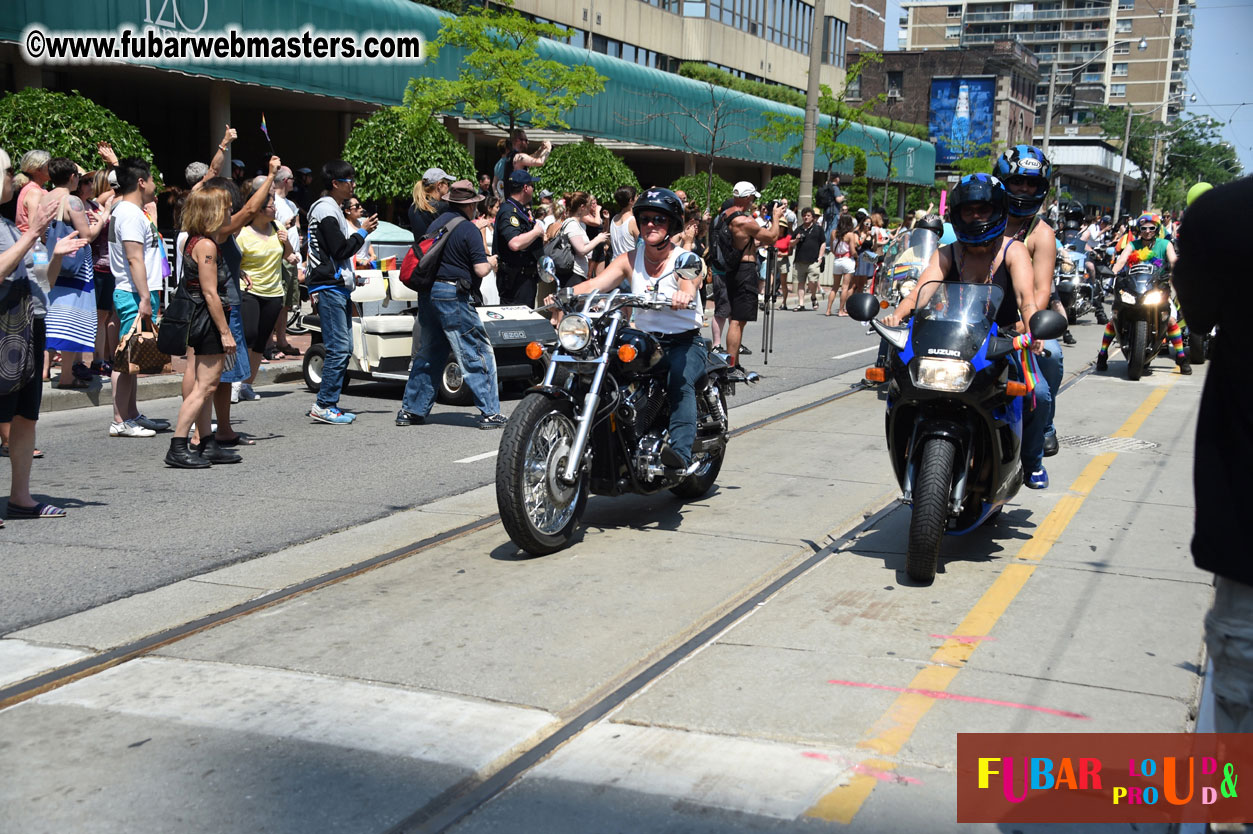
(135, 524)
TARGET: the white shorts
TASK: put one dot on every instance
(843, 266)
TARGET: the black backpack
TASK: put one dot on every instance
(825, 197)
(429, 250)
(723, 255)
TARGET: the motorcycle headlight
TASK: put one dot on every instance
(1067, 267)
(944, 374)
(1127, 298)
(907, 287)
(1154, 297)
(574, 333)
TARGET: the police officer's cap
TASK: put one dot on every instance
(520, 177)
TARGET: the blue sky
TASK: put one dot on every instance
(1221, 73)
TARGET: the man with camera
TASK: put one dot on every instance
(746, 234)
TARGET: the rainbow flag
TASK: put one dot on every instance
(264, 129)
(388, 263)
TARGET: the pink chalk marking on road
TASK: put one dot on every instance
(969, 699)
(961, 639)
(866, 770)
(822, 757)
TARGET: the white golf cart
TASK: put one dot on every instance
(385, 332)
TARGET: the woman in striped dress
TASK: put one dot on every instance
(71, 321)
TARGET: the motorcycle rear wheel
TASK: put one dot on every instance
(539, 512)
(930, 512)
(1138, 349)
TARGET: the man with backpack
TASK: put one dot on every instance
(735, 238)
(830, 200)
(444, 307)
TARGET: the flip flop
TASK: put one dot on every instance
(291, 352)
(4, 452)
(37, 511)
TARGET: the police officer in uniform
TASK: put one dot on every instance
(519, 241)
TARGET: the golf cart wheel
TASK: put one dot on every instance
(315, 356)
(452, 385)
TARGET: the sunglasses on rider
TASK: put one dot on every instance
(655, 219)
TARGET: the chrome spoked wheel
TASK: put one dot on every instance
(550, 502)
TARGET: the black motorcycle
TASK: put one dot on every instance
(1141, 314)
(1074, 289)
(598, 423)
(954, 416)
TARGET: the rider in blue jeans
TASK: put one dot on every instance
(449, 321)
(332, 244)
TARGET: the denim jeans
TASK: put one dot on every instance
(684, 362)
(1036, 420)
(1052, 369)
(335, 314)
(450, 325)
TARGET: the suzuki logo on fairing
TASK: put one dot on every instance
(943, 352)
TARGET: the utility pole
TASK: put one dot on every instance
(1122, 169)
(809, 138)
(1048, 113)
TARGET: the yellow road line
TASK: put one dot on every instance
(889, 734)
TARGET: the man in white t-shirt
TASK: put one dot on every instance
(287, 215)
(138, 263)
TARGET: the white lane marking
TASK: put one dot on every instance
(855, 352)
(280, 704)
(753, 776)
(483, 456)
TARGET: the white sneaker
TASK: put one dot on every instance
(235, 386)
(129, 429)
(246, 392)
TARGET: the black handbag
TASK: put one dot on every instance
(17, 338)
(176, 323)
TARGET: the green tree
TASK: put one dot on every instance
(392, 148)
(1195, 153)
(1113, 123)
(704, 191)
(68, 125)
(584, 166)
(786, 187)
(503, 79)
(782, 127)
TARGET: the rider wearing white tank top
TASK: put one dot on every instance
(659, 215)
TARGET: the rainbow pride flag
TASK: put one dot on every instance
(388, 263)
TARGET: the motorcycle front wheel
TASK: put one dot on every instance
(539, 511)
(930, 514)
(1196, 347)
(1138, 349)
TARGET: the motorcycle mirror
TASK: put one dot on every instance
(691, 270)
(863, 306)
(1045, 324)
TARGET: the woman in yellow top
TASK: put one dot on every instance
(264, 246)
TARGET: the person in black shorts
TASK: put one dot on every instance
(741, 280)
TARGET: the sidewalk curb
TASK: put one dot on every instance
(151, 388)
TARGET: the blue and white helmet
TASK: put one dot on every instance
(1030, 163)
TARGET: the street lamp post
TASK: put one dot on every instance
(1122, 168)
(809, 137)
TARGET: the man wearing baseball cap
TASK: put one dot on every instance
(446, 308)
(519, 241)
(741, 278)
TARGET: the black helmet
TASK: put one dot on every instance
(663, 200)
(931, 223)
(1074, 211)
(1030, 162)
(978, 188)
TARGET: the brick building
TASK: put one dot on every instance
(1011, 70)
(866, 22)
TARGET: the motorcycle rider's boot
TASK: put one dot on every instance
(1185, 365)
(670, 458)
(1051, 446)
(1068, 339)
(1101, 318)
(1102, 362)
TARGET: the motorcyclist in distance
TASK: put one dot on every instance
(651, 270)
(1149, 247)
(983, 253)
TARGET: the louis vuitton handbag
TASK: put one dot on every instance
(138, 353)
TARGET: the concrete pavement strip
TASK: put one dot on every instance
(153, 388)
(347, 707)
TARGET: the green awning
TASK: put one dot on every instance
(633, 107)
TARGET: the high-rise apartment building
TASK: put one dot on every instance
(761, 40)
(1124, 52)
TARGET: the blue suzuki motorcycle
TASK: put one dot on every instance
(954, 414)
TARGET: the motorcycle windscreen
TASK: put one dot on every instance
(1143, 277)
(910, 252)
(954, 319)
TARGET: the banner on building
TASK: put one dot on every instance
(961, 117)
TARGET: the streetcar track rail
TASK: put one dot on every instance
(461, 800)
